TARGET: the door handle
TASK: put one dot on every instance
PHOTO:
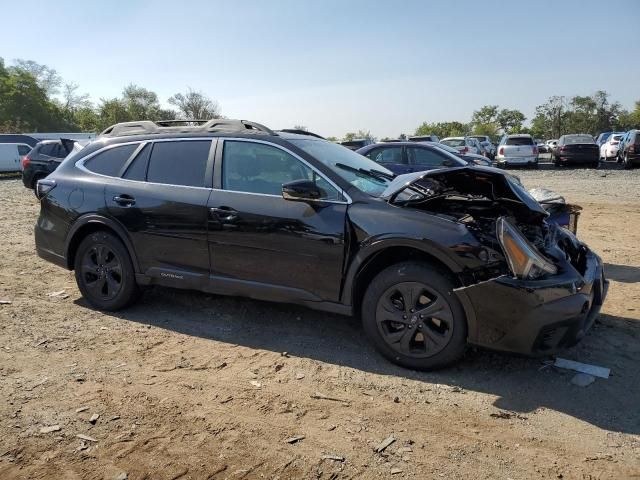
(124, 200)
(224, 213)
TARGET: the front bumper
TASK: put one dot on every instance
(536, 317)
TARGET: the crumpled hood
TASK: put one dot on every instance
(486, 182)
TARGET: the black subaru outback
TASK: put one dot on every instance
(431, 261)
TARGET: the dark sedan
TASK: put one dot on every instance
(408, 157)
(576, 149)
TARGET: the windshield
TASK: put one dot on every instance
(351, 166)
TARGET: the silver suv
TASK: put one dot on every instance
(518, 149)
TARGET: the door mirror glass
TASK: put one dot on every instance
(301, 190)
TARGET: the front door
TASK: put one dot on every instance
(264, 246)
(161, 199)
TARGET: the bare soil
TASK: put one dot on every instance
(188, 385)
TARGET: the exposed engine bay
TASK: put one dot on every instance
(478, 198)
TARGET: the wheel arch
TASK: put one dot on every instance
(367, 265)
(90, 223)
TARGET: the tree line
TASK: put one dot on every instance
(34, 97)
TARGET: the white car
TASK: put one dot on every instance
(11, 156)
(463, 144)
(518, 149)
(609, 149)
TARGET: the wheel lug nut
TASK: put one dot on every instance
(412, 310)
(404, 317)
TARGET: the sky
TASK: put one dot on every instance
(337, 66)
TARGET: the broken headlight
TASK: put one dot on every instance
(524, 260)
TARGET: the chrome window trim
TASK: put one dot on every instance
(344, 194)
(80, 163)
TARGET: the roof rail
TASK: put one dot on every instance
(301, 132)
(146, 127)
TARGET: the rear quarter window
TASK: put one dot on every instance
(110, 162)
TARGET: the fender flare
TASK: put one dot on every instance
(366, 254)
(96, 219)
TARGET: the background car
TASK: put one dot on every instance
(603, 137)
(471, 158)
(630, 151)
(45, 157)
(10, 156)
(518, 149)
(407, 157)
(490, 149)
(579, 148)
(462, 144)
(609, 149)
(542, 146)
(621, 144)
(551, 145)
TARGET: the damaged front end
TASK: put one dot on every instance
(540, 288)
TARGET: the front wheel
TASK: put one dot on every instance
(104, 272)
(626, 163)
(413, 318)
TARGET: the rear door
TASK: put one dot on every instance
(161, 199)
(392, 157)
(515, 147)
(264, 246)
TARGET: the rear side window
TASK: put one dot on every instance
(637, 138)
(179, 163)
(138, 168)
(23, 149)
(387, 155)
(111, 161)
(519, 141)
(46, 149)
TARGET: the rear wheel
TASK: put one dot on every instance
(412, 317)
(626, 163)
(104, 272)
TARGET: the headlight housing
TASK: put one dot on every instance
(525, 261)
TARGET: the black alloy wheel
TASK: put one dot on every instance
(412, 316)
(104, 272)
(414, 320)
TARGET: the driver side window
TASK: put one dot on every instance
(258, 168)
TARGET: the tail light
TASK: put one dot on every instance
(25, 161)
(562, 149)
(43, 187)
(464, 150)
(501, 151)
(535, 150)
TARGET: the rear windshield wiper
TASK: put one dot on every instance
(371, 173)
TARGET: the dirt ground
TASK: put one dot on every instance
(188, 385)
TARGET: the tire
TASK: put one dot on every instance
(104, 272)
(626, 163)
(595, 164)
(556, 162)
(412, 340)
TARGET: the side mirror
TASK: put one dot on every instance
(301, 190)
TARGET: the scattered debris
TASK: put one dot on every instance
(83, 446)
(299, 376)
(52, 428)
(86, 437)
(337, 458)
(121, 476)
(322, 396)
(295, 439)
(285, 354)
(396, 399)
(255, 383)
(396, 470)
(60, 294)
(41, 342)
(594, 370)
(385, 443)
(331, 428)
(227, 400)
(81, 409)
(94, 418)
(405, 450)
(583, 379)
(114, 418)
(5, 302)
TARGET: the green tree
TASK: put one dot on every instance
(195, 105)
(360, 134)
(510, 121)
(443, 129)
(629, 120)
(47, 78)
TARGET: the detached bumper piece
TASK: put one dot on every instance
(537, 317)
